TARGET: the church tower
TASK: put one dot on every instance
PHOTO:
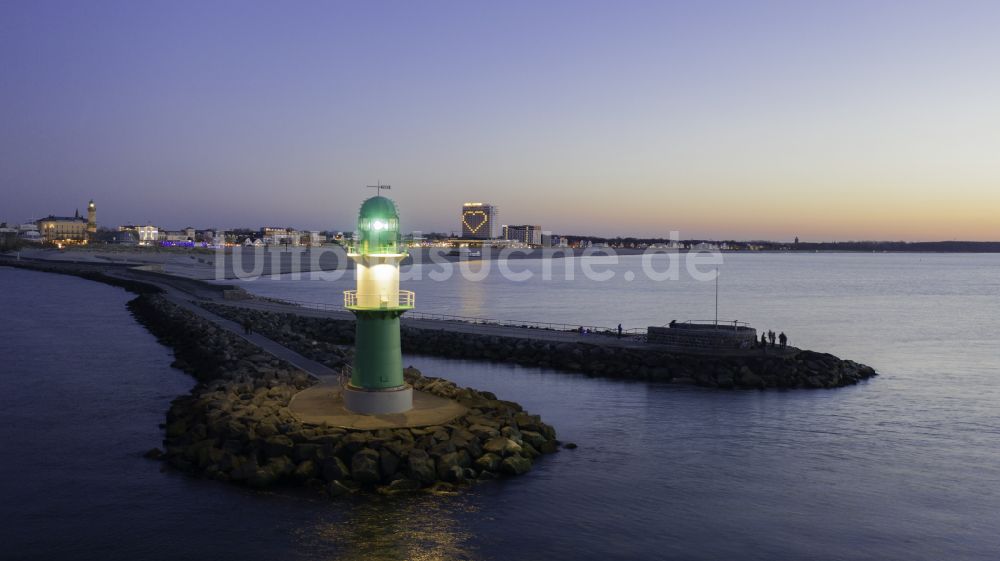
(91, 219)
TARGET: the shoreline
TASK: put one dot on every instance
(200, 264)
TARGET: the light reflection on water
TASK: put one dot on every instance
(400, 528)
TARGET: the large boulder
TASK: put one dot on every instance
(449, 467)
(403, 486)
(334, 469)
(512, 433)
(529, 451)
(528, 422)
(275, 469)
(278, 445)
(515, 465)
(472, 447)
(483, 431)
(488, 462)
(306, 470)
(748, 379)
(280, 466)
(501, 446)
(421, 466)
(351, 443)
(306, 452)
(388, 462)
(365, 466)
(267, 427)
(533, 438)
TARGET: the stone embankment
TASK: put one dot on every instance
(235, 424)
(757, 369)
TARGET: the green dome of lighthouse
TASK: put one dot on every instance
(378, 207)
(378, 227)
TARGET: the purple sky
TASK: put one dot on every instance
(826, 120)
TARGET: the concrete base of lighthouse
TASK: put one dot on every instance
(378, 402)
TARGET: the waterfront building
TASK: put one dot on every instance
(122, 237)
(559, 241)
(8, 236)
(376, 384)
(148, 234)
(144, 235)
(29, 232)
(173, 236)
(479, 221)
(669, 244)
(280, 236)
(60, 229)
(526, 234)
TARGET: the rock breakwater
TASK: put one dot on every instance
(235, 424)
(797, 369)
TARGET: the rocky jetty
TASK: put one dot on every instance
(797, 369)
(235, 424)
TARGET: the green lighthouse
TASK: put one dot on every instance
(377, 385)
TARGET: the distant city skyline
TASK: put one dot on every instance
(721, 120)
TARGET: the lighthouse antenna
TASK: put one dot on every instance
(379, 187)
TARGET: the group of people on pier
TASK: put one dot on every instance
(769, 336)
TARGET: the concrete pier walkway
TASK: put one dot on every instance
(269, 346)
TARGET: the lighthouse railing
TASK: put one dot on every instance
(406, 299)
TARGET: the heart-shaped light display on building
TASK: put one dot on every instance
(474, 220)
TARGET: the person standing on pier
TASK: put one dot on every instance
(619, 331)
(771, 336)
(783, 339)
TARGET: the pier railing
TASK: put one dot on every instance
(522, 324)
(711, 324)
(344, 376)
(552, 326)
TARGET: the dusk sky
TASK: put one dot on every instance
(751, 120)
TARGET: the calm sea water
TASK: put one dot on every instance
(905, 467)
